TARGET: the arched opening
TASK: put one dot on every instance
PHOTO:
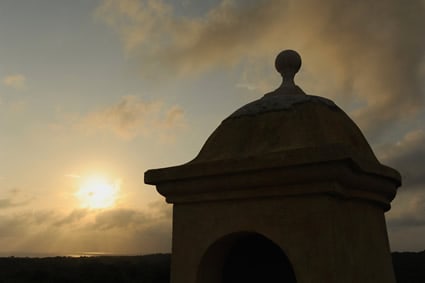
(247, 258)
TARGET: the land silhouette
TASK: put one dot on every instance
(147, 269)
(409, 267)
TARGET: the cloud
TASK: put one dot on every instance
(405, 221)
(120, 219)
(6, 203)
(137, 231)
(12, 226)
(17, 81)
(132, 116)
(407, 156)
(72, 176)
(369, 53)
(14, 198)
(407, 238)
(75, 216)
(119, 230)
(17, 225)
(408, 209)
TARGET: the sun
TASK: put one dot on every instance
(97, 192)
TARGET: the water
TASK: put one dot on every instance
(77, 254)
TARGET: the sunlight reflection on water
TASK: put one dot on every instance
(44, 255)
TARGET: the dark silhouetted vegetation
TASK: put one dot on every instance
(105, 269)
(409, 268)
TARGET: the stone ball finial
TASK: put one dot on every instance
(288, 62)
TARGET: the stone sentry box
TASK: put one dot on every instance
(286, 189)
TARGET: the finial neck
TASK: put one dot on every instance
(288, 79)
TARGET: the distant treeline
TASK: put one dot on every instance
(409, 268)
(105, 269)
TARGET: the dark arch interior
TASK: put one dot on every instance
(254, 258)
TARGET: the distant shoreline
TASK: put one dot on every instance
(72, 255)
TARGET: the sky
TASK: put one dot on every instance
(95, 92)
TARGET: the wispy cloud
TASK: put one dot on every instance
(17, 81)
(408, 156)
(131, 117)
(73, 176)
(372, 52)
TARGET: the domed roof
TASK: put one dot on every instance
(285, 137)
(285, 119)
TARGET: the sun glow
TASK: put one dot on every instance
(97, 192)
